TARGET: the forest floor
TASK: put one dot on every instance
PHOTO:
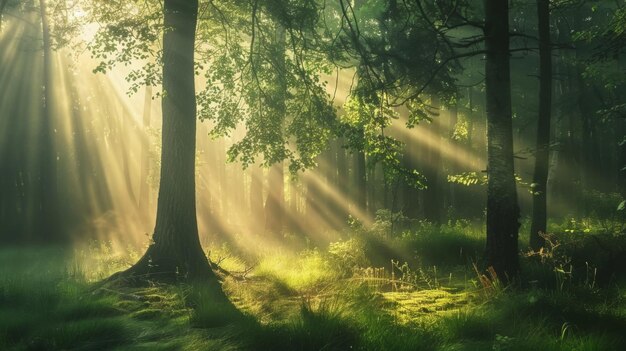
(314, 299)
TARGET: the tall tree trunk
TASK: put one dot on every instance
(542, 150)
(502, 207)
(175, 252)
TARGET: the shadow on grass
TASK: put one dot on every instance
(45, 307)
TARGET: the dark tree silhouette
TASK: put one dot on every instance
(175, 252)
(542, 152)
(502, 207)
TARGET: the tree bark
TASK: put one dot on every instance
(542, 150)
(175, 252)
(502, 207)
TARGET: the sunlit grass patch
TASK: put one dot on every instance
(223, 256)
(411, 306)
(301, 271)
(446, 312)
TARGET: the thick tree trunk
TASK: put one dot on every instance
(175, 252)
(542, 151)
(502, 206)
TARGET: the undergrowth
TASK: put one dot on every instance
(417, 287)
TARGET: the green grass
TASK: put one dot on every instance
(46, 305)
(320, 299)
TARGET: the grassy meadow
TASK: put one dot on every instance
(415, 288)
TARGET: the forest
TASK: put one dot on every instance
(313, 175)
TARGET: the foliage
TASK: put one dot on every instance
(348, 255)
(577, 260)
(260, 66)
(364, 124)
(128, 33)
(269, 85)
(468, 178)
(387, 223)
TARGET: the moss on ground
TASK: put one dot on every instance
(314, 300)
